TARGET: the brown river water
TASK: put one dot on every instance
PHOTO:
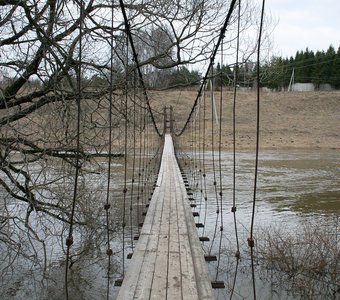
(295, 189)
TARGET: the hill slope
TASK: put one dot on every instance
(300, 120)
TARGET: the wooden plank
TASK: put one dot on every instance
(160, 280)
(189, 286)
(168, 261)
(145, 252)
(202, 278)
(143, 288)
(201, 273)
(140, 258)
(174, 269)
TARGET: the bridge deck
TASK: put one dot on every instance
(168, 261)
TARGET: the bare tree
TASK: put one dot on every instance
(41, 68)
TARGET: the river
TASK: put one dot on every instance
(296, 189)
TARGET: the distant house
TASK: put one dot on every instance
(310, 87)
(303, 87)
(325, 87)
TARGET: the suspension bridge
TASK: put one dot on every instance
(168, 261)
(103, 193)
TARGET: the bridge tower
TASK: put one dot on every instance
(168, 119)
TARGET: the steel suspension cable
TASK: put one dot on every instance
(144, 164)
(191, 156)
(204, 163)
(251, 237)
(212, 86)
(125, 152)
(107, 202)
(139, 71)
(200, 154)
(212, 58)
(194, 157)
(220, 164)
(69, 239)
(233, 209)
(148, 166)
(140, 183)
(133, 161)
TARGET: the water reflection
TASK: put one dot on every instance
(302, 182)
(293, 188)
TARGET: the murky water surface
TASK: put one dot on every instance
(293, 188)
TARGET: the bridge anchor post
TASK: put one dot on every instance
(168, 119)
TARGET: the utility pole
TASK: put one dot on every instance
(291, 82)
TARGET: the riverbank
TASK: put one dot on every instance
(288, 120)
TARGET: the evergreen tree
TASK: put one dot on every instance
(224, 75)
(308, 68)
(227, 75)
(319, 73)
(330, 54)
(298, 66)
(336, 70)
(182, 76)
(318, 68)
(218, 75)
(273, 73)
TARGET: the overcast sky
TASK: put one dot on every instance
(304, 23)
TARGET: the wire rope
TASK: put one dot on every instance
(212, 58)
(220, 165)
(233, 209)
(107, 202)
(191, 156)
(251, 237)
(140, 183)
(144, 162)
(69, 239)
(212, 87)
(139, 71)
(125, 104)
(148, 165)
(133, 160)
(200, 158)
(204, 162)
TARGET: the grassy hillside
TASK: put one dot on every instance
(302, 120)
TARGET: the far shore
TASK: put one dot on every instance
(288, 120)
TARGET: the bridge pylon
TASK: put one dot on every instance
(168, 119)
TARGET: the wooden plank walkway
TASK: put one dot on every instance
(168, 261)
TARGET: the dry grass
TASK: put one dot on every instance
(305, 262)
(309, 120)
(299, 120)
